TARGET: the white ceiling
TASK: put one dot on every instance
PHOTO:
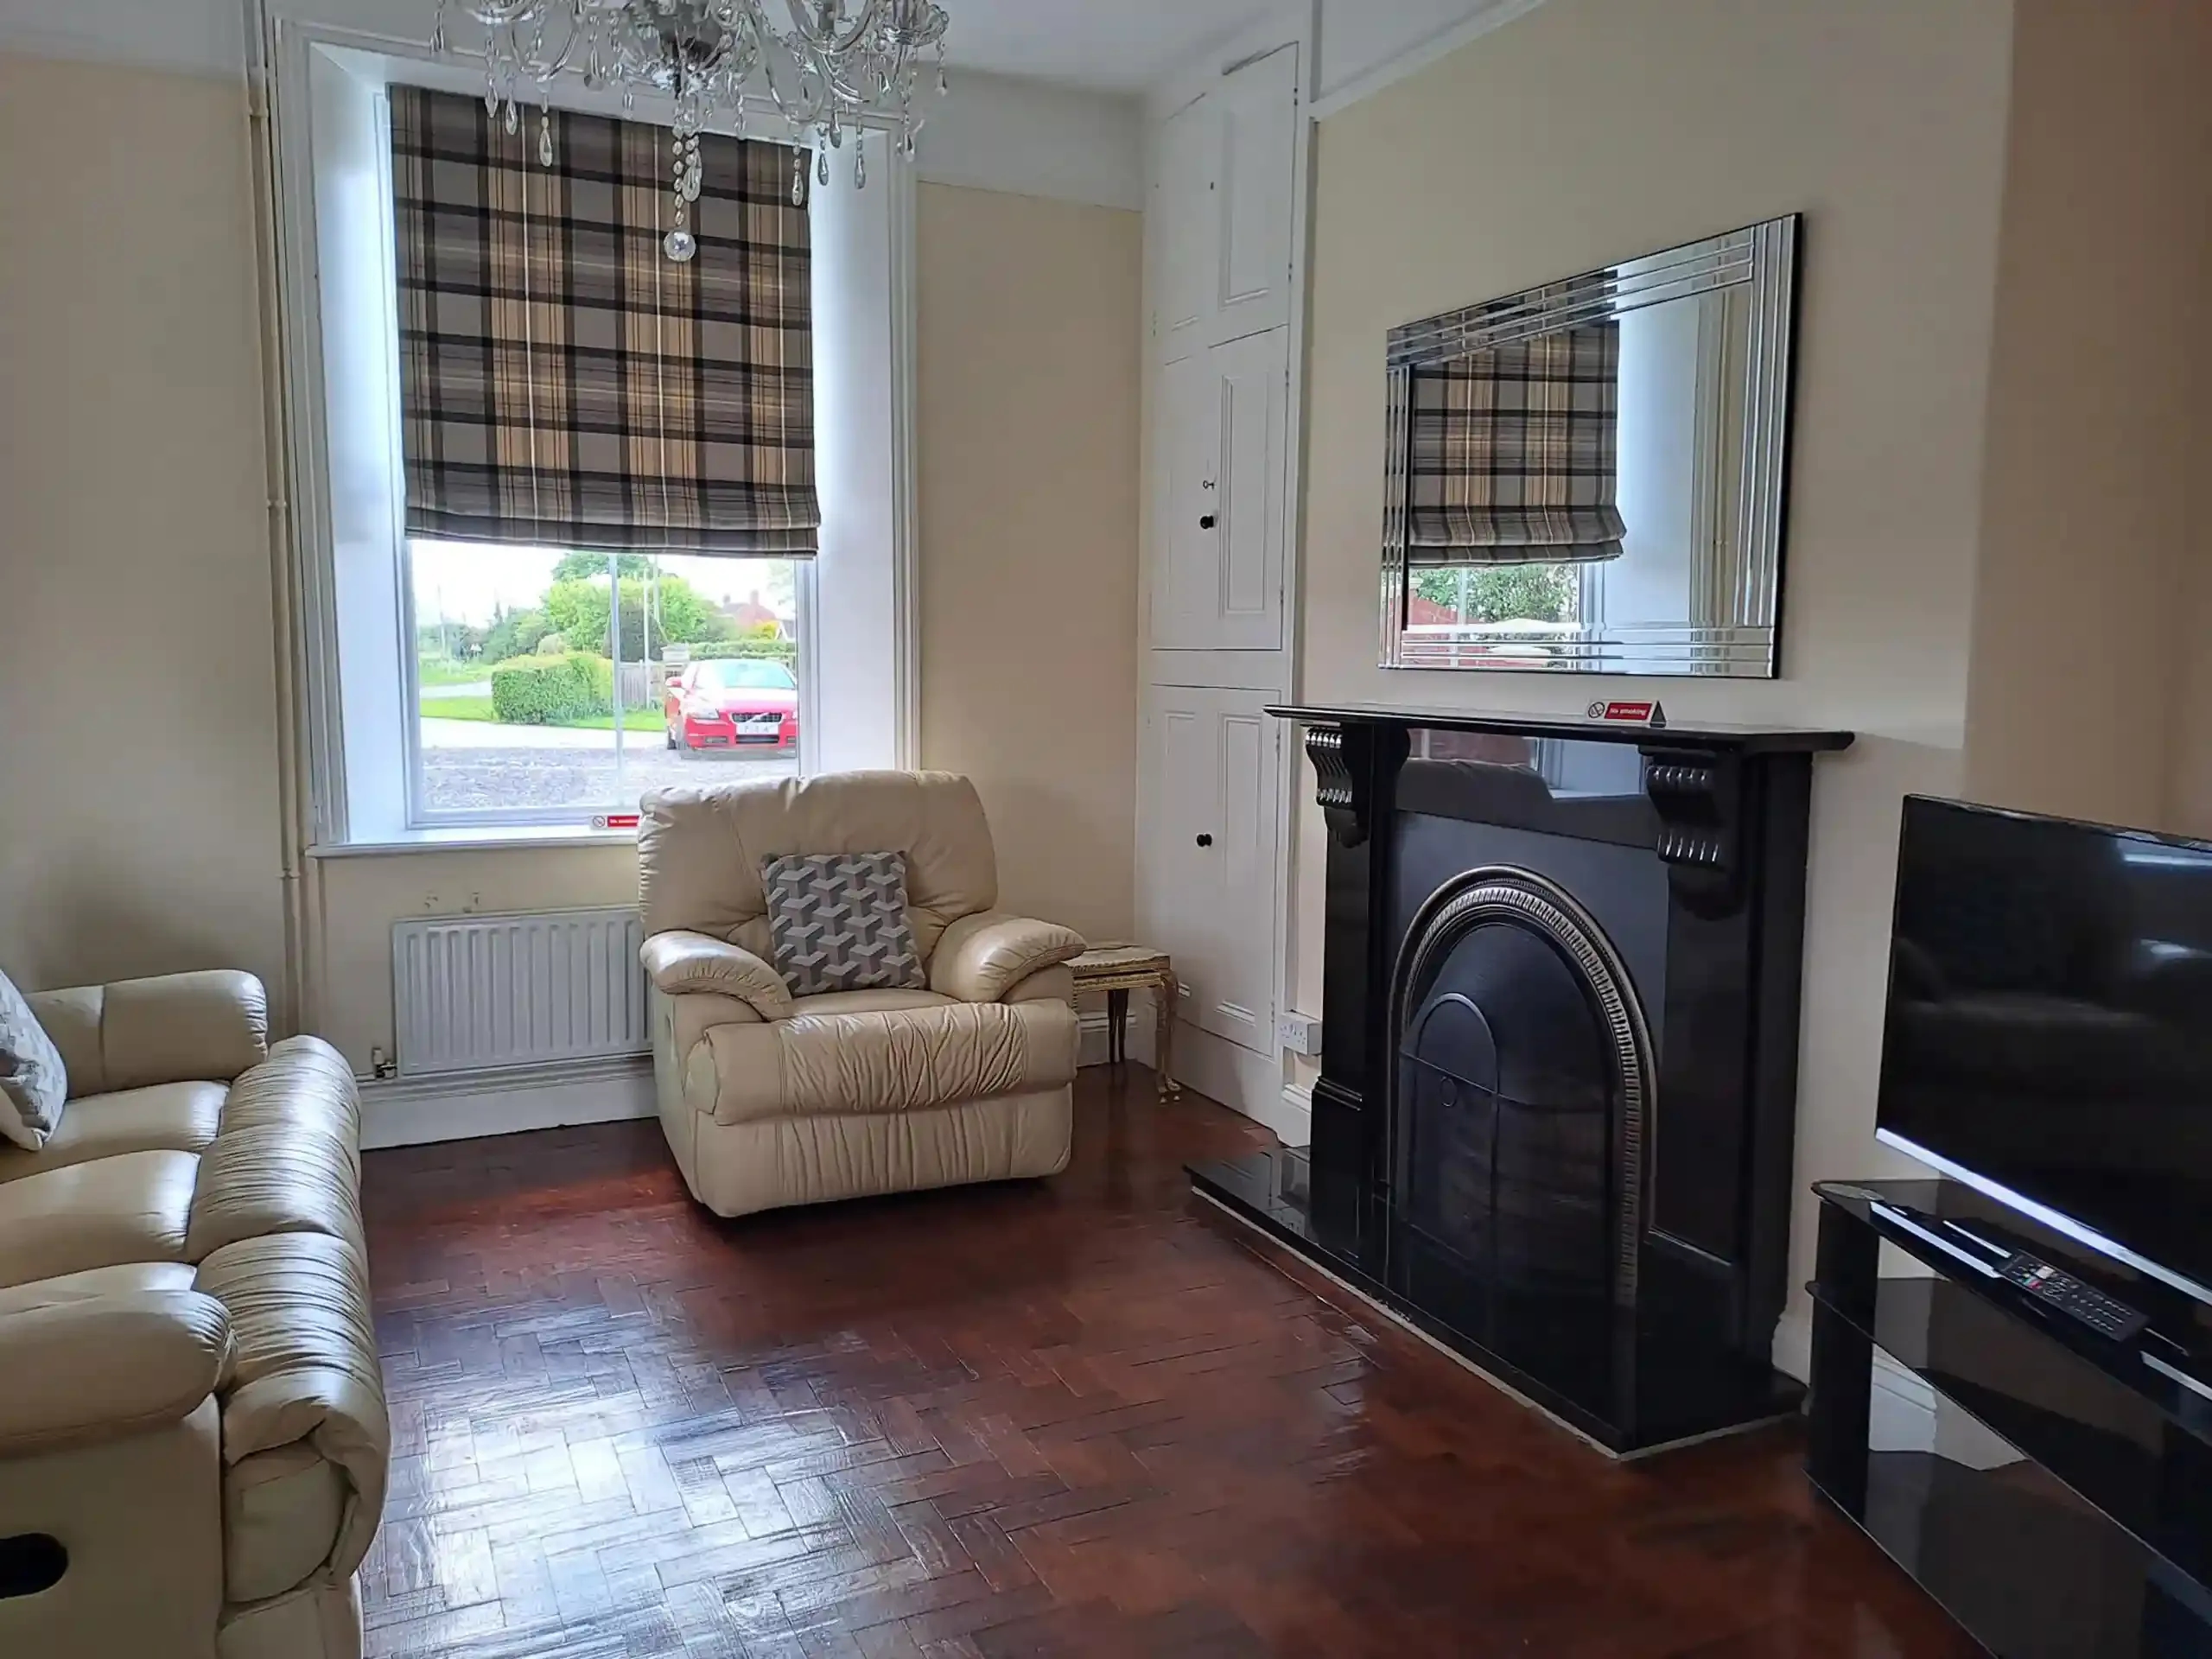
(1117, 45)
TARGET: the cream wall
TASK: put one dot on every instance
(139, 815)
(140, 822)
(2099, 429)
(1594, 130)
(1029, 356)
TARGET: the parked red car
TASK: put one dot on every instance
(734, 703)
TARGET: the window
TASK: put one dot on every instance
(576, 521)
(563, 686)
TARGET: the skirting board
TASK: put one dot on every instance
(416, 1112)
(1244, 1082)
(1793, 1344)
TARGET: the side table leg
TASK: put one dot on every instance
(1165, 995)
(1117, 1022)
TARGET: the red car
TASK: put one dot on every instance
(734, 703)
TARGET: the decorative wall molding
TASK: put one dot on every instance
(1341, 88)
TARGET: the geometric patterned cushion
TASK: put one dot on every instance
(838, 921)
(34, 1086)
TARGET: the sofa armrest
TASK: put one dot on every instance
(980, 957)
(100, 1368)
(680, 963)
(205, 1027)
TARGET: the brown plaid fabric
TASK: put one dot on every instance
(563, 382)
(1514, 455)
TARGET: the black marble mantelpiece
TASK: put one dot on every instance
(1682, 849)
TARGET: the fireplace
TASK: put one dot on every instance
(1552, 1128)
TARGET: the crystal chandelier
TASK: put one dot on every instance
(840, 64)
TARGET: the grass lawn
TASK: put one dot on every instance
(634, 719)
(443, 670)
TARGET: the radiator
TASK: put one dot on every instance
(482, 993)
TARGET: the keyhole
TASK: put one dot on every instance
(1205, 841)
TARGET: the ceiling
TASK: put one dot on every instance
(1117, 45)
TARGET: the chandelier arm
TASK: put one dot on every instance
(502, 14)
(805, 110)
(829, 41)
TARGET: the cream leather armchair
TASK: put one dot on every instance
(770, 1099)
(193, 1433)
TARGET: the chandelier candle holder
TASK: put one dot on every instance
(840, 65)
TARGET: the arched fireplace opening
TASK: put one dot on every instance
(1522, 1079)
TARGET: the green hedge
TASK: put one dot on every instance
(543, 690)
(780, 651)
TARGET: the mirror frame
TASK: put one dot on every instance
(1762, 258)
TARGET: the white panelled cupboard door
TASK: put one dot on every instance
(1209, 851)
(1251, 396)
(1254, 130)
(1218, 501)
(1239, 1001)
(1189, 229)
(1185, 480)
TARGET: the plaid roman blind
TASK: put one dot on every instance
(1513, 452)
(564, 383)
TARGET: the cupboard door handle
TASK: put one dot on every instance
(1205, 521)
(1205, 841)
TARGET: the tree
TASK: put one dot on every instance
(586, 567)
(578, 609)
(514, 633)
(1504, 593)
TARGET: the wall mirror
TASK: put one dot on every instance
(1589, 476)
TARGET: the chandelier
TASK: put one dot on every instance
(840, 65)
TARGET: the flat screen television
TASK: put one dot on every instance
(2049, 1036)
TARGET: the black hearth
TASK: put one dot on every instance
(1554, 1119)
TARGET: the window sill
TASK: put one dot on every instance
(487, 838)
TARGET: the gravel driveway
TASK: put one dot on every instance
(474, 764)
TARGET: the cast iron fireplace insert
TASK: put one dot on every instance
(1552, 1128)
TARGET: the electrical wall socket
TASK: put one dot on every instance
(1301, 1034)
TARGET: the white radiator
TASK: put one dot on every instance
(483, 993)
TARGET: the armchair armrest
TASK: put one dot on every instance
(980, 957)
(205, 1027)
(680, 963)
(100, 1368)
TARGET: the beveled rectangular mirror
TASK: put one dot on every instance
(1589, 476)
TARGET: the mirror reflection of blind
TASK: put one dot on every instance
(1515, 454)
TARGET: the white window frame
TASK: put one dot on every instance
(857, 601)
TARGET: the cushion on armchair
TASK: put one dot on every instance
(34, 1086)
(839, 923)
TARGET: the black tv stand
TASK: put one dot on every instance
(2051, 1487)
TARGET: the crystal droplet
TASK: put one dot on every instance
(492, 99)
(680, 245)
(689, 188)
(514, 118)
(799, 178)
(822, 173)
(545, 140)
(860, 167)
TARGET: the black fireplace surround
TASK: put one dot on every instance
(1554, 1124)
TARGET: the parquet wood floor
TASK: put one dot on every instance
(1086, 1416)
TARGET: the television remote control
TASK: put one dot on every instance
(2106, 1315)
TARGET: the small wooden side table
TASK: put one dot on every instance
(1117, 969)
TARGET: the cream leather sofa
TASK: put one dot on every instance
(192, 1431)
(772, 1100)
